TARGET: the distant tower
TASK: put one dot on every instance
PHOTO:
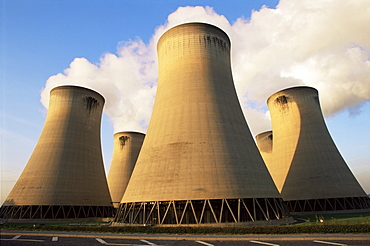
(64, 177)
(306, 166)
(264, 143)
(126, 149)
(199, 163)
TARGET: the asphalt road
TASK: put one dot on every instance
(90, 239)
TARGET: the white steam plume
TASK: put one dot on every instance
(323, 44)
(126, 80)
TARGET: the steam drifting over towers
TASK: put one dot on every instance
(306, 166)
(126, 149)
(64, 177)
(198, 163)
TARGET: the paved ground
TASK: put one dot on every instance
(46, 238)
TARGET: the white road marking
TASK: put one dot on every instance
(264, 243)
(150, 243)
(54, 239)
(16, 237)
(101, 241)
(340, 244)
(122, 244)
(208, 244)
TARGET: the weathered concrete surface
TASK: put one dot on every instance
(66, 167)
(126, 149)
(306, 164)
(198, 144)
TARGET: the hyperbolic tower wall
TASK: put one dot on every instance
(126, 149)
(64, 177)
(306, 166)
(264, 143)
(199, 163)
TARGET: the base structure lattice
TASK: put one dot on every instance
(55, 212)
(202, 211)
(328, 204)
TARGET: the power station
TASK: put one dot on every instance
(302, 158)
(199, 163)
(64, 177)
(126, 149)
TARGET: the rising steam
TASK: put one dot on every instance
(321, 44)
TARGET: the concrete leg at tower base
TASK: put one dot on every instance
(329, 205)
(55, 212)
(204, 212)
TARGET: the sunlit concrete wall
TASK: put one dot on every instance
(198, 144)
(306, 164)
(126, 149)
(264, 143)
(66, 167)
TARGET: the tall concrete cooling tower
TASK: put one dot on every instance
(264, 144)
(64, 177)
(126, 149)
(306, 166)
(199, 163)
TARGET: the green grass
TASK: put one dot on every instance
(331, 223)
(335, 219)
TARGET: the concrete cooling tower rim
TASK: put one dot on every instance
(64, 178)
(78, 88)
(184, 173)
(265, 133)
(295, 88)
(129, 132)
(193, 24)
(127, 145)
(306, 165)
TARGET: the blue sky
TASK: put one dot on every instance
(283, 44)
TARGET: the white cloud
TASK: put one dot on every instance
(320, 44)
(126, 80)
(316, 43)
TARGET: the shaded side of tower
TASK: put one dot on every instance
(305, 163)
(199, 163)
(64, 177)
(126, 149)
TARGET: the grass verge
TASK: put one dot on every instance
(316, 224)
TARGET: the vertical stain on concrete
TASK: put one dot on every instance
(91, 103)
(122, 140)
(282, 101)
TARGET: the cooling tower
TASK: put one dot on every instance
(199, 163)
(264, 144)
(306, 166)
(126, 149)
(64, 177)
